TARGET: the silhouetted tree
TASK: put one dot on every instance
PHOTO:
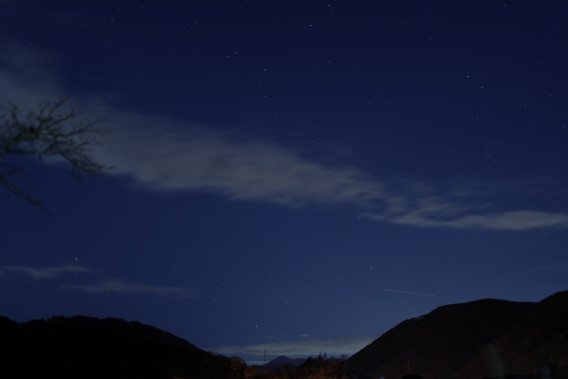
(238, 367)
(321, 367)
(49, 132)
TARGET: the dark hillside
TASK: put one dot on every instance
(439, 344)
(475, 340)
(539, 339)
(84, 347)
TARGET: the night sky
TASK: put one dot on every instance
(295, 176)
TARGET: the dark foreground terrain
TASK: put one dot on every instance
(480, 339)
(484, 338)
(85, 347)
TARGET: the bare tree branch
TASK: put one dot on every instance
(46, 134)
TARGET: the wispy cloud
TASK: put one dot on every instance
(27, 75)
(302, 347)
(203, 160)
(102, 286)
(158, 156)
(121, 287)
(263, 171)
(509, 220)
(44, 272)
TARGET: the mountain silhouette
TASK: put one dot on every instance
(475, 340)
(282, 361)
(86, 347)
(484, 338)
(539, 340)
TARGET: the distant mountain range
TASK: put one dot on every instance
(282, 361)
(479, 339)
(485, 338)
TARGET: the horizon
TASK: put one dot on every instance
(285, 349)
(302, 176)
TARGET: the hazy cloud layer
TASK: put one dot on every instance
(263, 171)
(305, 347)
(121, 287)
(146, 149)
(44, 272)
(443, 215)
(27, 76)
(102, 286)
(243, 170)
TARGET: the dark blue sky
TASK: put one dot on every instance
(296, 176)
